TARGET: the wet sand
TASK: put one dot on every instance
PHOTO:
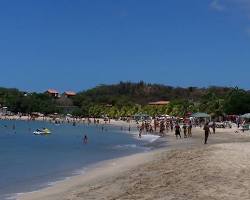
(184, 169)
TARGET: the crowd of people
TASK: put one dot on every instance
(163, 127)
(181, 130)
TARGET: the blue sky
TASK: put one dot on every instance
(75, 45)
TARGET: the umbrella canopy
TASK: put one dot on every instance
(246, 116)
(200, 115)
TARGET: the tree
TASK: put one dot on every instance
(237, 102)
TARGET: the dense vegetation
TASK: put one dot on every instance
(126, 99)
(18, 101)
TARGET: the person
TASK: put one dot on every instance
(85, 139)
(177, 131)
(171, 127)
(162, 127)
(190, 130)
(185, 130)
(151, 129)
(140, 134)
(238, 122)
(213, 127)
(207, 132)
(155, 125)
(167, 127)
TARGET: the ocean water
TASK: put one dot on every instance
(29, 162)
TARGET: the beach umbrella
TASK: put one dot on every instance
(246, 116)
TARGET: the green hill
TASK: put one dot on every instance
(126, 98)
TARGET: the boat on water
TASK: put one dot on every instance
(43, 131)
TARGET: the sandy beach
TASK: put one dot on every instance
(185, 169)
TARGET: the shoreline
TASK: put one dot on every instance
(113, 123)
(92, 183)
(100, 164)
(93, 172)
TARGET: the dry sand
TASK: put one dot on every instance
(185, 169)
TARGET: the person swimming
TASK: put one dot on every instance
(85, 139)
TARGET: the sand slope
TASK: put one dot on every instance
(190, 170)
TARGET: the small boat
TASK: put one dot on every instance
(44, 131)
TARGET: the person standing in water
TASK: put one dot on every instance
(140, 132)
(207, 132)
(85, 139)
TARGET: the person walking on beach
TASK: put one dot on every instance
(207, 132)
(190, 130)
(213, 127)
(171, 126)
(167, 127)
(177, 131)
(185, 130)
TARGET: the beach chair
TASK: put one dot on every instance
(244, 128)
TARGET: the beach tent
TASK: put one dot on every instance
(141, 117)
(246, 116)
(200, 115)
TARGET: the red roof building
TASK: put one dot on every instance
(69, 94)
(52, 92)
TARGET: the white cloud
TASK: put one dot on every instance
(231, 5)
(235, 8)
(244, 4)
(216, 5)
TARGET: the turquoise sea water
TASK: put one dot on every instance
(29, 162)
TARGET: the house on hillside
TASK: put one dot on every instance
(159, 103)
(69, 94)
(65, 103)
(53, 93)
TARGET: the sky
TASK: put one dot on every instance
(78, 44)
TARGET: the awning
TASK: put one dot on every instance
(200, 115)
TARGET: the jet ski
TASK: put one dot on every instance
(43, 131)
